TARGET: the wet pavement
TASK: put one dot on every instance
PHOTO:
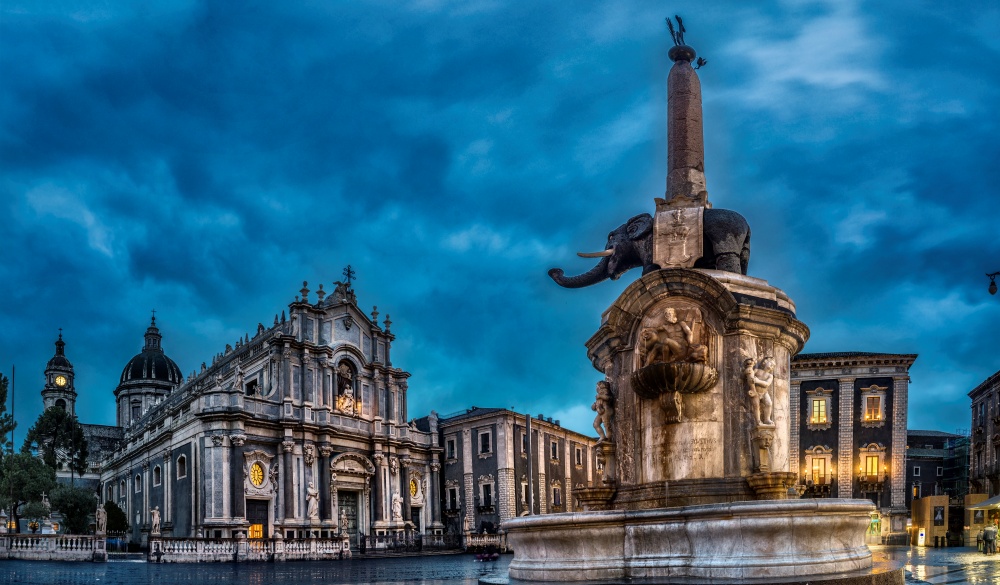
(429, 570)
(944, 565)
(937, 566)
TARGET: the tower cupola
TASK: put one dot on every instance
(60, 388)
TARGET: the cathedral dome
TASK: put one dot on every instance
(151, 365)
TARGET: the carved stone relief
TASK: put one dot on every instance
(672, 355)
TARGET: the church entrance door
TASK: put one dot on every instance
(415, 517)
(257, 518)
(348, 502)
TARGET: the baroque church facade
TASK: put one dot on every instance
(298, 430)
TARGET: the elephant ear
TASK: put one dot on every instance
(639, 226)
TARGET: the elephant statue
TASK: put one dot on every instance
(726, 246)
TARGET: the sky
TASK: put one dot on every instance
(203, 159)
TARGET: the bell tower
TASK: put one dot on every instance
(60, 389)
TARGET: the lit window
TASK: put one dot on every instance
(871, 465)
(818, 403)
(818, 470)
(818, 411)
(819, 465)
(256, 531)
(873, 406)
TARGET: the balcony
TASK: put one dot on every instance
(817, 486)
(872, 483)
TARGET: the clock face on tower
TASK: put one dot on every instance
(60, 381)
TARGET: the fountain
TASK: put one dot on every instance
(693, 412)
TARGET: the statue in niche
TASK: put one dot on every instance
(345, 403)
(393, 465)
(604, 407)
(670, 340)
(759, 380)
(397, 507)
(312, 499)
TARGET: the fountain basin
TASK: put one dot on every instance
(734, 542)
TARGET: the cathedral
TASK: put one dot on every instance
(299, 430)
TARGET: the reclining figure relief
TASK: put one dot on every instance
(671, 340)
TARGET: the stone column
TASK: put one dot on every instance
(845, 440)
(404, 480)
(145, 492)
(469, 486)
(237, 501)
(286, 472)
(433, 498)
(794, 424)
(379, 496)
(325, 504)
(900, 390)
(165, 478)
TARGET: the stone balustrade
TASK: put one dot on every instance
(209, 550)
(52, 547)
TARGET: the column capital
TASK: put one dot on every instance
(237, 440)
(287, 446)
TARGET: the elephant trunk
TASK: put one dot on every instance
(592, 276)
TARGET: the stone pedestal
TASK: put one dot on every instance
(698, 364)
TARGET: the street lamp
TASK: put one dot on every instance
(993, 282)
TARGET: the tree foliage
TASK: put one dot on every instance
(23, 479)
(7, 423)
(117, 519)
(58, 437)
(76, 505)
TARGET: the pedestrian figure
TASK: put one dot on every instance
(990, 539)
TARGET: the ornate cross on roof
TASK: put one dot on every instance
(349, 275)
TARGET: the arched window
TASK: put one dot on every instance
(182, 467)
(61, 404)
(156, 475)
(138, 483)
(121, 489)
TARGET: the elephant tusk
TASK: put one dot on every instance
(603, 254)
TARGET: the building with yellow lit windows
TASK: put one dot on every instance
(848, 425)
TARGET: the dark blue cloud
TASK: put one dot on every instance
(205, 160)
